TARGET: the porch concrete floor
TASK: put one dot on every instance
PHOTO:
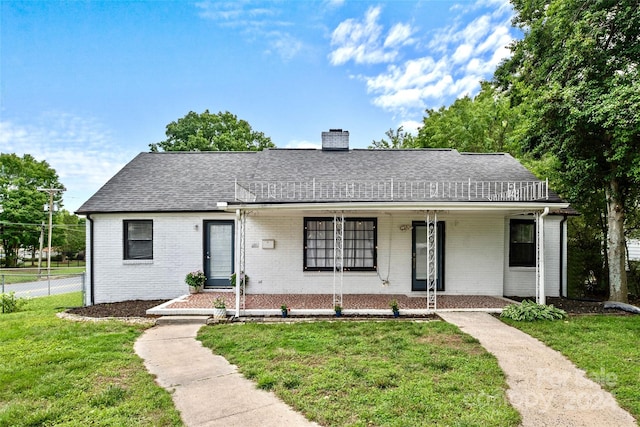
(359, 302)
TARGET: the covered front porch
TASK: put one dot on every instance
(315, 246)
(322, 304)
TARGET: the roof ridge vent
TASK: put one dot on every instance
(335, 140)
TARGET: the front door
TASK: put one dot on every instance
(218, 252)
(419, 253)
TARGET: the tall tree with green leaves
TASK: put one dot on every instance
(69, 233)
(397, 139)
(22, 203)
(482, 124)
(211, 132)
(577, 69)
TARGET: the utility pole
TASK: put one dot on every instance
(51, 192)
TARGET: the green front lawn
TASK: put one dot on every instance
(389, 373)
(63, 373)
(606, 347)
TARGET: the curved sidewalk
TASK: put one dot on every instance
(544, 386)
(206, 389)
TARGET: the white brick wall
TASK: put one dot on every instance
(177, 250)
(634, 249)
(520, 281)
(476, 256)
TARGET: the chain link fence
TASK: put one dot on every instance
(29, 284)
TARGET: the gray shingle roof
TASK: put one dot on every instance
(197, 181)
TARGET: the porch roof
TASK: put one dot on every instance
(206, 181)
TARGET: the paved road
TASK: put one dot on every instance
(46, 287)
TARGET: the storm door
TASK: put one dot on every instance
(419, 257)
(218, 252)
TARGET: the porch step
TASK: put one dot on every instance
(182, 320)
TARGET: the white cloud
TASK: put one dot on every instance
(79, 149)
(400, 100)
(460, 55)
(411, 126)
(413, 73)
(465, 86)
(284, 45)
(476, 30)
(256, 24)
(439, 89)
(400, 34)
(498, 39)
(361, 41)
(231, 13)
(334, 4)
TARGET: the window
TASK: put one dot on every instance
(522, 243)
(359, 249)
(138, 239)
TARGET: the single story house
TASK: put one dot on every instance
(326, 221)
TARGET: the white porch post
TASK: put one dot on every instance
(432, 260)
(237, 263)
(338, 257)
(540, 289)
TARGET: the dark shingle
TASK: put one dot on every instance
(196, 181)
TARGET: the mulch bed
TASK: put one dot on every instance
(138, 308)
(133, 308)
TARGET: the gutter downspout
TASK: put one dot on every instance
(91, 281)
(563, 253)
(542, 299)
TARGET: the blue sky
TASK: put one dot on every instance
(87, 85)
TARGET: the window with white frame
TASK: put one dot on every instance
(138, 239)
(359, 247)
(522, 243)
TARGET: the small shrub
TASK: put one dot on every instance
(244, 279)
(9, 303)
(528, 311)
(197, 279)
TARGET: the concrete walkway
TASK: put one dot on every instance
(206, 389)
(544, 386)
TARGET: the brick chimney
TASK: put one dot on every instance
(335, 140)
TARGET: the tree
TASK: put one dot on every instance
(22, 203)
(70, 231)
(485, 123)
(577, 68)
(398, 139)
(211, 132)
